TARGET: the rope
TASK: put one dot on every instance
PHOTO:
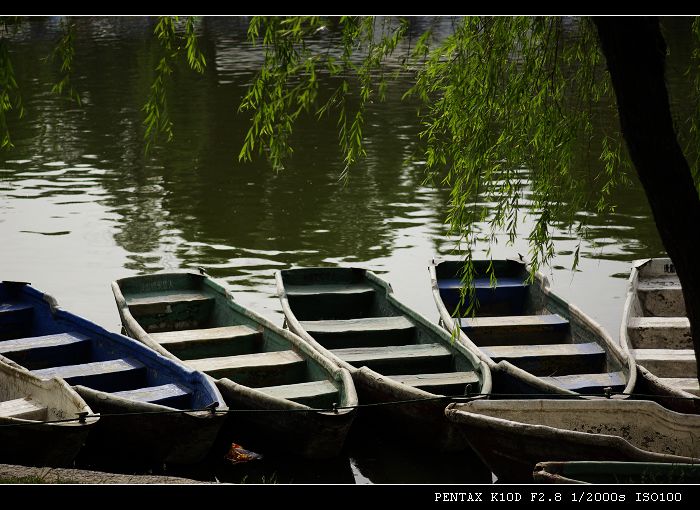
(465, 398)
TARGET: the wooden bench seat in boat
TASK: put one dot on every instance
(562, 359)
(24, 408)
(397, 359)
(48, 350)
(313, 394)
(656, 283)
(110, 375)
(651, 332)
(506, 298)
(329, 288)
(661, 296)
(331, 301)
(689, 384)
(172, 395)
(156, 303)
(163, 311)
(667, 362)
(259, 369)
(589, 383)
(363, 332)
(15, 320)
(209, 342)
(446, 383)
(516, 329)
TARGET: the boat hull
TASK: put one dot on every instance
(279, 425)
(154, 435)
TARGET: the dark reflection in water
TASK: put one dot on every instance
(81, 205)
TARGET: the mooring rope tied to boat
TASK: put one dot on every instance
(465, 398)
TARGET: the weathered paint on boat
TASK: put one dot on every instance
(533, 341)
(352, 317)
(259, 365)
(114, 374)
(616, 472)
(656, 332)
(512, 436)
(27, 401)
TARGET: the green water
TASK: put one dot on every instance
(81, 205)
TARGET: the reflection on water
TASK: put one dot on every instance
(80, 204)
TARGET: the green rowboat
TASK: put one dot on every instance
(352, 317)
(258, 365)
(616, 472)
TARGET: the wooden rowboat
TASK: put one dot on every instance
(27, 402)
(116, 376)
(533, 341)
(259, 366)
(351, 316)
(616, 472)
(656, 332)
(512, 436)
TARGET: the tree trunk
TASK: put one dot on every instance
(635, 51)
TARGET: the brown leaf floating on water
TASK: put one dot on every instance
(237, 454)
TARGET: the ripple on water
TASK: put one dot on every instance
(57, 233)
(236, 263)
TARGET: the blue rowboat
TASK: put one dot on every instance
(534, 341)
(137, 391)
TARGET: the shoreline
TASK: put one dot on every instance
(80, 476)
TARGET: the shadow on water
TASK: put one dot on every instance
(369, 457)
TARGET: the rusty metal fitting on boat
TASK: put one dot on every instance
(468, 390)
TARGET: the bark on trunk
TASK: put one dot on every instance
(635, 51)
